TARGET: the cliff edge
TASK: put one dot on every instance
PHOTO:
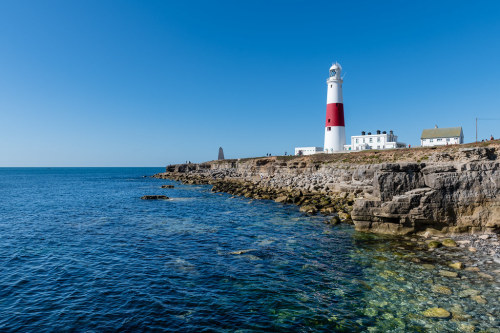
(450, 189)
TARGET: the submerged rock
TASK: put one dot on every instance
(433, 244)
(479, 299)
(334, 220)
(447, 273)
(167, 186)
(370, 312)
(441, 289)
(485, 276)
(449, 243)
(467, 328)
(436, 313)
(242, 251)
(154, 197)
(472, 269)
(456, 265)
(468, 292)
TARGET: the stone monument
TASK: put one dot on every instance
(221, 154)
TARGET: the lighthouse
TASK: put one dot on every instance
(335, 125)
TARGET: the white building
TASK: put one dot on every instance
(441, 136)
(308, 150)
(374, 141)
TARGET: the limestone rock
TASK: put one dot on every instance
(433, 244)
(449, 243)
(456, 265)
(447, 273)
(280, 199)
(479, 299)
(436, 313)
(468, 293)
(466, 328)
(441, 289)
(335, 220)
(310, 209)
(429, 191)
(472, 269)
(485, 276)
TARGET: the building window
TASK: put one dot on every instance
(328, 120)
(328, 129)
(378, 139)
(431, 140)
(371, 140)
(439, 139)
(357, 140)
(447, 139)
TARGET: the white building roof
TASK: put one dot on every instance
(449, 132)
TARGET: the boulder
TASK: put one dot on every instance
(436, 313)
(334, 220)
(449, 243)
(447, 273)
(433, 244)
(479, 299)
(281, 199)
(441, 289)
(456, 265)
(309, 209)
(167, 186)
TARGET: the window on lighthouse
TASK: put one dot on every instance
(328, 129)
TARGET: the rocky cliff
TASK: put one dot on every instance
(452, 189)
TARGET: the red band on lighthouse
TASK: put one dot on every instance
(335, 114)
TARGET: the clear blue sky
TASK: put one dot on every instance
(148, 83)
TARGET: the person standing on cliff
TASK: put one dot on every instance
(492, 138)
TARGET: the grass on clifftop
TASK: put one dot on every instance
(373, 156)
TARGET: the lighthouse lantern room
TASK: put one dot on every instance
(335, 125)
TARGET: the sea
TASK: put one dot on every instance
(81, 252)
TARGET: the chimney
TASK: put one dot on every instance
(362, 132)
(369, 133)
(378, 131)
(384, 132)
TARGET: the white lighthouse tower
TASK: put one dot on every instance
(334, 126)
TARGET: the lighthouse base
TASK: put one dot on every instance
(334, 139)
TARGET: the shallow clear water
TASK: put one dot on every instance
(81, 252)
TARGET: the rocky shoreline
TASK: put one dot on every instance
(450, 190)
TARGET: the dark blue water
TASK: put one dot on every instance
(81, 252)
